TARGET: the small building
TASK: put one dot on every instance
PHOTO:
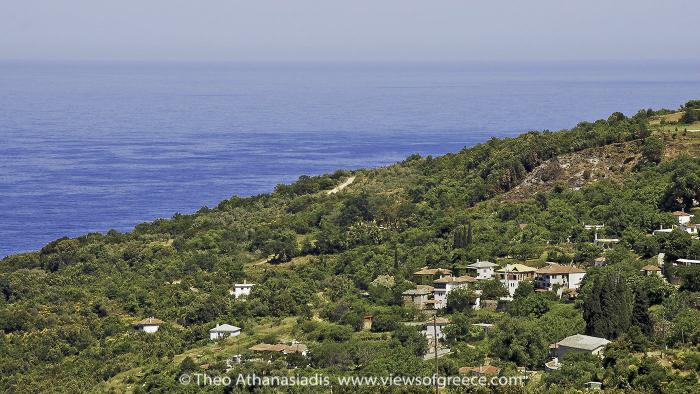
(434, 329)
(512, 274)
(564, 276)
(426, 275)
(367, 322)
(691, 229)
(600, 261)
(443, 286)
(482, 270)
(224, 331)
(242, 289)
(650, 270)
(683, 217)
(579, 343)
(149, 325)
(416, 297)
(687, 262)
(482, 370)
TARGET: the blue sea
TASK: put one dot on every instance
(90, 147)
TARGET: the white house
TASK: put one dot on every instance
(512, 274)
(691, 229)
(687, 262)
(683, 217)
(223, 331)
(241, 289)
(433, 330)
(443, 286)
(564, 276)
(579, 343)
(149, 325)
(482, 269)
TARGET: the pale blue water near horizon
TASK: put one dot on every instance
(93, 146)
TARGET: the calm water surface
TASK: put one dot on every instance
(90, 147)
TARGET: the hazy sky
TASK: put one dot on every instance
(355, 30)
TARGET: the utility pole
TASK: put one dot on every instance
(437, 389)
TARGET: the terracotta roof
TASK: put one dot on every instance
(425, 287)
(458, 279)
(681, 213)
(481, 370)
(558, 269)
(650, 267)
(150, 321)
(432, 271)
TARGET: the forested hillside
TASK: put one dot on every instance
(322, 261)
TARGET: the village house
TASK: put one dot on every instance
(149, 325)
(443, 286)
(224, 331)
(482, 370)
(579, 343)
(650, 270)
(418, 297)
(558, 275)
(687, 262)
(482, 270)
(512, 274)
(434, 329)
(683, 217)
(241, 289)
(691, 229)
(426, 275)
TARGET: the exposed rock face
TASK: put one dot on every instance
(578, 169)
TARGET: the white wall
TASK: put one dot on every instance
(149, 329)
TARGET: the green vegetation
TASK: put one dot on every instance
(321, 262)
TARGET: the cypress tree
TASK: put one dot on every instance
(607, 309)
(640, 312)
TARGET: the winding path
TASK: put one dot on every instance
(341, 186)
